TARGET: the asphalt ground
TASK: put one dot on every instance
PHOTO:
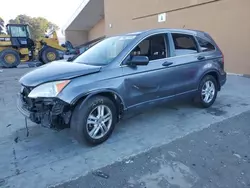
(49, 158)
(216, 157)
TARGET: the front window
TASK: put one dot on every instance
(105, 51)
(154, 47)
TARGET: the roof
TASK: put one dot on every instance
(17, 24)
(151, 31)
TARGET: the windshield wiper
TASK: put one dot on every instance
(93, 64)
(70, 59)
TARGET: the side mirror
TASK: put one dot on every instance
(63, 45)
(138, 60)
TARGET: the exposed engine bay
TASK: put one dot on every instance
(49, 112)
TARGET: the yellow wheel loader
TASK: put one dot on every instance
(17, 45)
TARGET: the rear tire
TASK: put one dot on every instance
(48, 55)
(9, 58)
(207, 92)
(85, 121)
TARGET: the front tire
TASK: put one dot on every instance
(207, 92)
(93, 121)
(9, 58)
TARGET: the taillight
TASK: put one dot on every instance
(222, 55)
(222, 61)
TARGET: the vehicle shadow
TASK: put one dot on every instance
(49, 139)
(43, 139)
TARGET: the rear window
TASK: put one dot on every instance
(205, 45)
(184, 44)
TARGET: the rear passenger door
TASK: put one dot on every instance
(186, 62)
(207, 52)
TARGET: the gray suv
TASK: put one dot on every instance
(121, 74)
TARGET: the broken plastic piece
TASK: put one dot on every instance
(101, 174)
(26, 125)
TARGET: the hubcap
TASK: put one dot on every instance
(208, 91)
(51, 56)
(99, 121)
(10, 58)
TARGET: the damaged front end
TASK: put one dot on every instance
(49, 112)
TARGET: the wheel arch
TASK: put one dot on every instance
(213, 73)
(112, 95)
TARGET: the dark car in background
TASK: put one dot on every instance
(84, 47)
(120, 74)
(77, 50)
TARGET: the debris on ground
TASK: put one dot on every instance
(173, 154)
(237, 155)
(25, 157)
(101, 174)
(52, 169)
(16, 139)
(128, 161)
(8, 125)
(2, 182)
(26, 125)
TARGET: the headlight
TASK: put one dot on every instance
(51, 89)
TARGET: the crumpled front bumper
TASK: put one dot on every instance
(52, 113)
(24, 110)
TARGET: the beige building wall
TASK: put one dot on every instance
(227, 21)
(76, 37)
(97, 31)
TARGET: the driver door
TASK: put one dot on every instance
(150, 83)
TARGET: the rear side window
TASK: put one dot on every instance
(205, 45)
(184, 44)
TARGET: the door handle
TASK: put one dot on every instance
(201, 57)
(167, 63)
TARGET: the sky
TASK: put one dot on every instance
(56, 11)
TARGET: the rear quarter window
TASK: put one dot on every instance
(205, 45)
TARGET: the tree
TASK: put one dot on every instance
(38, 25)
(1, 25)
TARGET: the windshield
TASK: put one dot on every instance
(105, 51)
(18, 31)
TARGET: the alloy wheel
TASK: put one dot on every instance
(99, 121)
(208, 91)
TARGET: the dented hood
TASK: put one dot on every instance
(58, 70)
